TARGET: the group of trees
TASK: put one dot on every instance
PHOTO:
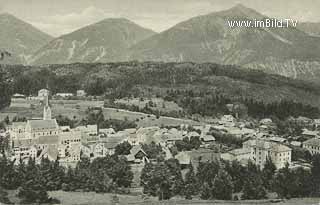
(229, 180)
(187, 144)
(32, 180)
(5, 89)
(95, 116)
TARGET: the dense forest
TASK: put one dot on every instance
(203, 89)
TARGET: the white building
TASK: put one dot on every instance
(260, 150)
(312, 145)
(43, 93)
(81, 93)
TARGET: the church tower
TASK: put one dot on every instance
(46, 109)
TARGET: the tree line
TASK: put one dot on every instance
(33, 181)
(229, 180)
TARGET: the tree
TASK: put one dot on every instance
(205, 191)
(190, 188)
(315, 172)
(237, 173)
(253, 186)
(123, 148)
(283, 182)
(222, 186)
(32, 189)
(268, 172)
(153, 150)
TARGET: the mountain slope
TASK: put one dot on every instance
(208, 38)
(107, 40)
(20, 39)
(310, 28)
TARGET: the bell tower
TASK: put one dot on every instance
(46, 109)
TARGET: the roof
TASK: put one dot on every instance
(262, 144)
(309, 132)
(43, 124)
(18, 124)
(135, 149)
(314, 142)
(193, 134)
(296, 143)
(240, 151)
(277, 139)
(112, 142)
(183, 157)
(208, 138)
(23, 143)
(266, 121)
(280, 148)
(54, 139)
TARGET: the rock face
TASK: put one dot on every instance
(20, 39)
(208, 38)
(105, 41)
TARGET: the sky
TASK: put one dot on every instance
(58, 17)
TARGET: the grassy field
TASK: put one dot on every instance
(92, 198)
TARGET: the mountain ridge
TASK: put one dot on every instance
(20, 38)
(106, 40)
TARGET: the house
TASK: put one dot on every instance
(43, 92)
(266, 121)
(107, 131)
(88, 130)
(81, 93)
(208, 139)
(242, 155)
(309, 133)
(296, 143)
(137, 155)
(227, 121)
(194, 157)
(317, 123)
(312, 145)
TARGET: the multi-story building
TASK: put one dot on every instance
(260, 150)
(312, 145)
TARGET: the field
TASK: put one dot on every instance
(91, 198)
(157, 103)
(76, 109)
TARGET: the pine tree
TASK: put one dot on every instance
(315, 171)
(268, 173)
(283, 182)
(205, 191)
(222, 186)
(190, 183)
(253, 186)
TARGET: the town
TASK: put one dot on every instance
(226, 139)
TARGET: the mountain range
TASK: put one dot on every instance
(291, 52)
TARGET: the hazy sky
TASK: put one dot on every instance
(58, 17)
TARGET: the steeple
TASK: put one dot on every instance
(46, 109)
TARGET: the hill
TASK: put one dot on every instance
(20, 39)
(105, 41)
(197, 88)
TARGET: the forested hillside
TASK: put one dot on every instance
(199, 88)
